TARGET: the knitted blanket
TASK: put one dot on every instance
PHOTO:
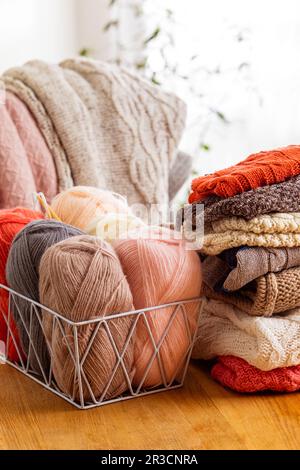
(237, 374)
(26, 165)
(265, 296)
(233, 269)
(259, 169)
(266, 343)
(104, 126)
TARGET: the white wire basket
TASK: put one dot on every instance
(70, 332)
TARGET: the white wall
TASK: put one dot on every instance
(92, 15)
(274, 27)
(44, 29)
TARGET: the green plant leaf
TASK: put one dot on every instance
(141, 64)
(154, 80)
(220, 115)
(153, 35)
(85, 52)
(204, 147)
(110, 24)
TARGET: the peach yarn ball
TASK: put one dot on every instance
(160, 270)
(81, 205)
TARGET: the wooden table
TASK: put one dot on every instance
(202, 415)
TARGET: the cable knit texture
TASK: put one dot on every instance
(26, 163)
(215, 243)
(270, 230)
(266, 343)
(265, 296)
(105, 126)
(266, 223)
(259, 169)
(233, 269)
(237, 374)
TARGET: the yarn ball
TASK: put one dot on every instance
(81, 205)
(11, 222)
(22, 272)
(82, 278)
(160, 270)
(114, 226)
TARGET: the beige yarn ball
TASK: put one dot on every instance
(81, 278)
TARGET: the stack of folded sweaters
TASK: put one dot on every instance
(251, 271)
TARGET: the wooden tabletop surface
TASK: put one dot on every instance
(202, 415)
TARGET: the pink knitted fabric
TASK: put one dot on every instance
(237, 374)
(26, 162)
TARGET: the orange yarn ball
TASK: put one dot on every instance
(12, 221)
(160, 271)
(81, 206)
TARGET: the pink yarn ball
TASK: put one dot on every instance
(160, 271)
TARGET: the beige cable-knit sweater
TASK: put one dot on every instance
(266, 343)
(266, 223)
(104, 126)
(268, 230)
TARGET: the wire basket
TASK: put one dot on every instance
(70, 332)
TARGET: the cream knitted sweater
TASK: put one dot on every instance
(104, 126)
(266, 223)
(266, 343)
(268, 230)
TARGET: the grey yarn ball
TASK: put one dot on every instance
(22, 273)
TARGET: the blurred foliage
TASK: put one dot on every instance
(149, 45)
(160, 42)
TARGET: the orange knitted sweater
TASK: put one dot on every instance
(259, 169)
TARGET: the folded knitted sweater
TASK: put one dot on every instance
(269, 230)
(266, 343)
(215, 243)
(237, 374)
(279, 197)
(233, 269)
(259, 169)
(265, 296)
(265, 223)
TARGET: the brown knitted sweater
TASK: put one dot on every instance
(266, 295)
(280, 197)
(235, 268)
